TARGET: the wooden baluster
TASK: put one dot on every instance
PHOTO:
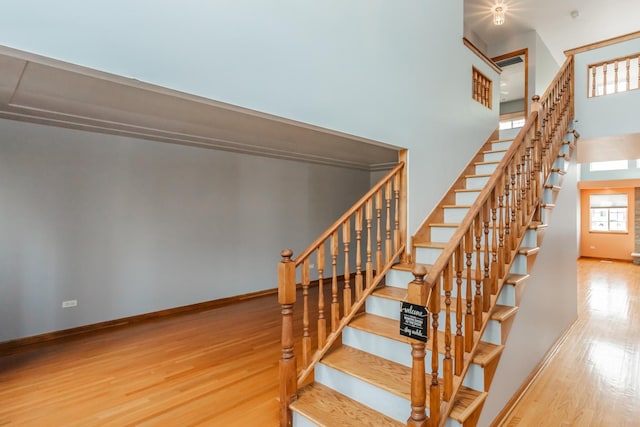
(477, 299)
(396, 211)
(322, 322)
(468, 318)
(494, 242)
(369, 263)
(501, 227)
(335, 305)
(306, 337)
(346, 240)
(593, 81)
(287, 364)
(434, 390)
(515, 231)
(417, 294)
(515, 203)
(447, 364)
(359, 254)
(486, 281)
(615, 77)
(628, 67)
(379, 264)
(604, 70)
(507, 216)
(387, 243)
(459, 340)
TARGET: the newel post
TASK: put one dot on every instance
(288, 369)
(417, 294)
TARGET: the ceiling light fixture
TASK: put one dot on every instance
(498, 15)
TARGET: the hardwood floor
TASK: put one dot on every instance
(594, 380)
(219, 368)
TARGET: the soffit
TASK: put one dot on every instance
(43, 90)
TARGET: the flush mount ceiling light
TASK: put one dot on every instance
(498, 15)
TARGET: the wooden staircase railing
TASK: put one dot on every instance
(361, 246)
(483, 248)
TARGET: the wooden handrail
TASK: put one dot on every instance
(368, 236)
(489, 236)
(325, 235)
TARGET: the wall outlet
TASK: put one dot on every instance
(69, 303)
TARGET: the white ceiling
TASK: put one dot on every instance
(597, 20)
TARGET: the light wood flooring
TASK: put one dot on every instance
(220, 367)
(594, 380)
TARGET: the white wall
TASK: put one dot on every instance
(609, 115)
(546, 67)
(129, 226)
(549, 305)
(389, 71)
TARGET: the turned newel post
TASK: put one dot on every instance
(417, 294)
(288, 369)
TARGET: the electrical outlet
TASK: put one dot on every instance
(69, 303)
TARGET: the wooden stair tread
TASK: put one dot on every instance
(405, 266)
(326, 407)
(391, 292)
(467, 190)
(516, 279)
(559, 171)
(548, 205)
(467, 401)
(535, 225)
(553, 187)
(394, 378)
(527, 251)
(436, 245)
(501, 140)
(481, 175)
(444, 224)
(457, 206)
(490, 162)
(390, 328)
(495, 151)
(385, 374)
(501, 313)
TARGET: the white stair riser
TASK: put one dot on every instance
(381, 400)
(519, 265)
(530, 239)
(493, 156)
(454, 215)
(507, 296)
(466, 197)
(560, 163)
(564, 149)
(398, 278)
(545, 215)
(400, 352)
(476, 182)
(486, 168)
(427, 255)
(502, 145)
(300, 420)
(391, 309)
(442, 234)
(554, 178)
(547, 195)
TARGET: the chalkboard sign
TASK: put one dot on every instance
(414, 321)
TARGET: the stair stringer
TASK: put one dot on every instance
(550, 305)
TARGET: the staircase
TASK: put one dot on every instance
(469, 265)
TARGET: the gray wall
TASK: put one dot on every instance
(512, 106)
(549, 305)
(130, 226)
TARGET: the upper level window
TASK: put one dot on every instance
(611, 165)
(613, 76)
(608, 212)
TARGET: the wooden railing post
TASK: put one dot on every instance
(417, 294)
(288, 368)
(402, 207)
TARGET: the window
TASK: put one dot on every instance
(608, 212)
(612, 165)
(512, 123)
(638, 163)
